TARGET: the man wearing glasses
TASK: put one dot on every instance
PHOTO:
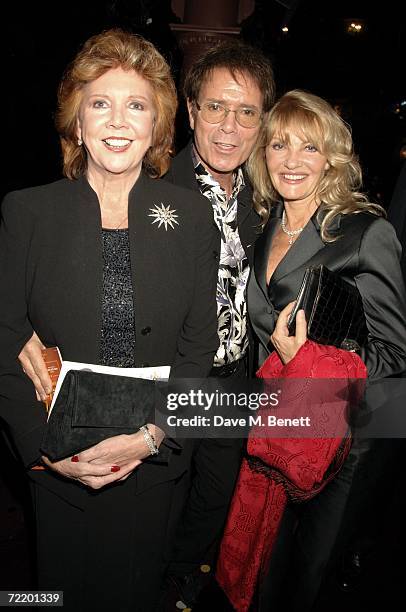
(227, 91)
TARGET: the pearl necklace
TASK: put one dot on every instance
(290, 233)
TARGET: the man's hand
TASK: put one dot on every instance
(34, 366)
(287, 346)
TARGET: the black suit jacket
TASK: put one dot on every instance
(367, 255)
(51, 281)
(182, 173)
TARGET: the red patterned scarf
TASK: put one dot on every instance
(278, 470)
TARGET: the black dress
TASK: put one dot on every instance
(117, 342)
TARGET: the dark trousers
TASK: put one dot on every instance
(308, 537)
(216, 464)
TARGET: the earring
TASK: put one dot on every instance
(80, 142)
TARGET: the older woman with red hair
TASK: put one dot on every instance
(114, 267)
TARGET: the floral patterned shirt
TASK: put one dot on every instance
(233, 268)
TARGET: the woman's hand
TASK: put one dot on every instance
(108, 461)
(89, 474)
(287, 346)
(34, 366)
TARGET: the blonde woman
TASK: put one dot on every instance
(306, 180)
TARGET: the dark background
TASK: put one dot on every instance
(362, 73)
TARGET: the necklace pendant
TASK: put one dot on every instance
(289, 233)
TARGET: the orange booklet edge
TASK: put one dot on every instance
(53, 361)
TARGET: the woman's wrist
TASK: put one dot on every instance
(149, 440)
(157, 433)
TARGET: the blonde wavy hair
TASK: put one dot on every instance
(100, 53)
(314, 120)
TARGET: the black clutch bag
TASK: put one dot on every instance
(333, 309)
(91, 407)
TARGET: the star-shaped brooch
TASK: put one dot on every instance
(163, 215)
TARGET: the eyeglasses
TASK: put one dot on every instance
(213, 112)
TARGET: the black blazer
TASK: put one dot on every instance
(367, 255)
(182, 173)
(51, 281)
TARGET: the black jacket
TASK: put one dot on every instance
(367, 255)
(182, 173)
(51, 281)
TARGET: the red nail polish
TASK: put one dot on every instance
(75, 459)
(115, 468)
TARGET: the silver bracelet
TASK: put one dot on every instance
(149, 440)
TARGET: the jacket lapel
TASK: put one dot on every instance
(85, 285)
(306, 246)
(245, 202)
(182, 171)
(263, 246)
(300, 255)
(142, 255)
